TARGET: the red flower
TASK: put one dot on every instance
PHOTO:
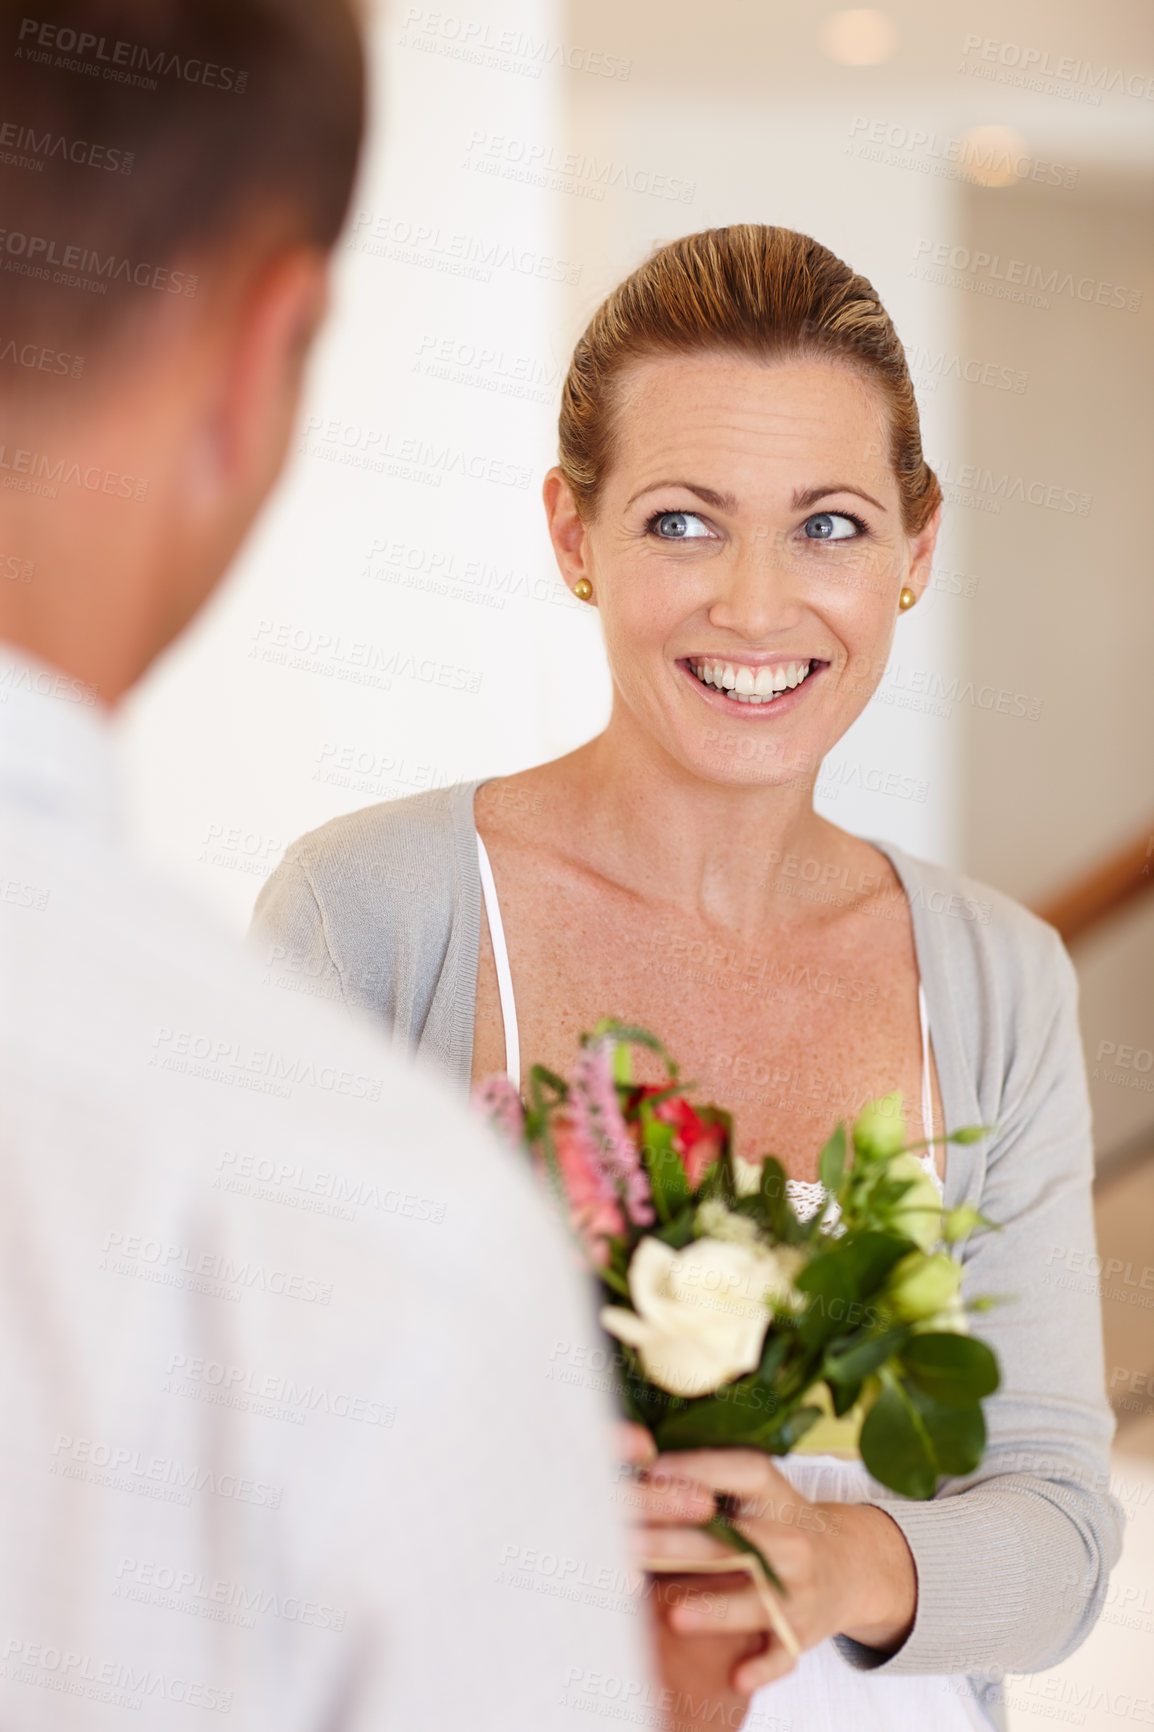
(698, 1142)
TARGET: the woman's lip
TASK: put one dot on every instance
(716, 700)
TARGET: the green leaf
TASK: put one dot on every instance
(717, 1181)
(641, 1400)
(873, 1255)
(777, 1344)
(616, 1283)
(831, 1165)
(842, 1279)
(754, 1209)
(738, 1414)
(788, 1432)
(679, 1231)
(862, 1355)
(704, 1425)
(895, 1445)
(667, 1179)
(628, 1033)
(542, 1078)
(783, 1223)
(957, 1434)
(954, 1370)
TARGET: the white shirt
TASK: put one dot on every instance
(301, 1425)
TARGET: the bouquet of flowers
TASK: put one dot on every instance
(736, 1322)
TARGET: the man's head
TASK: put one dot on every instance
(173, 174)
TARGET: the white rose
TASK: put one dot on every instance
(701, 1312)
(714, 1221)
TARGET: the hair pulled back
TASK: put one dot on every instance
(769, 293)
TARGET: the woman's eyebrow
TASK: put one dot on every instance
(726, 502)
(719, 501)
(811, 495)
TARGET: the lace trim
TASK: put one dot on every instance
(808, 1195)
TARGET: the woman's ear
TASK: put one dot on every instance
(567, 529)
(922, 547)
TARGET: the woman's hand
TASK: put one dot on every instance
(847, 1568)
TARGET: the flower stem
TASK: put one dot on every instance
(729, 1536)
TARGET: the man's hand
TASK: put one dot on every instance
(696, 1669)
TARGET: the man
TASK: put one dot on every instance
(278, 1326)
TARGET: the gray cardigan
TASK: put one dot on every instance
(382, 909)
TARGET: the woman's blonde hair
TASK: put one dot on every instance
(750, 289)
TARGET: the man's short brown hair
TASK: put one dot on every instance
(139, 138)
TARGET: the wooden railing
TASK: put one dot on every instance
(1076, 910)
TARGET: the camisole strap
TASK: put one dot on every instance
(927, 1086)
(501, 958)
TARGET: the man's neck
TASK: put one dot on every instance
(78, 551)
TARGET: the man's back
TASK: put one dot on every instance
(278, 1329)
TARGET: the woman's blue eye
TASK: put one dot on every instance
(833, 526)
(677, 526)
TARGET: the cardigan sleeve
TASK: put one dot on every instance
(1013, 1561)
(288, 931)
(380, 909)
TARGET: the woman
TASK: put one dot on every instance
(742, 494)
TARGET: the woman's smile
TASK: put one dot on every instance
(757, 689)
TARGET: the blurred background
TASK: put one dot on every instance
(397, 622)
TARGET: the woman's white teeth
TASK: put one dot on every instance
(751, 685)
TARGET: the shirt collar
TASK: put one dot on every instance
(57, 755)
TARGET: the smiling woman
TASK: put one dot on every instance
(742, 495)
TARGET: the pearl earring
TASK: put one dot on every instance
(906, 600)
(583, 589)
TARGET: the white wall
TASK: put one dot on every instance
(397, 620)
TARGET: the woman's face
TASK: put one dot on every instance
(746, 557)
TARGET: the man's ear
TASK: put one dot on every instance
(922, 546)
(567, 529)
(263, 333)
(278, 318)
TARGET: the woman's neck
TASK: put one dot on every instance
(722, 851)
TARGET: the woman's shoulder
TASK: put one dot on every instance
(407, 846)
(985, 952)
(396, 875)
(381, 908)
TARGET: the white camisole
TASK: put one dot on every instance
(822, 1693)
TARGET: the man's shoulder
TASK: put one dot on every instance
(133, 993)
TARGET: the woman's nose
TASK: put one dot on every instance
(756, 593)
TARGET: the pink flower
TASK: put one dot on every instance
(594, 1207)
(599, 1124)
(697, 1142)
(497, 1098)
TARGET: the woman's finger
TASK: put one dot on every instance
(677, 1544)
(719, 1610)
(635, 1445)
(741, 1472)
(661, 1498)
